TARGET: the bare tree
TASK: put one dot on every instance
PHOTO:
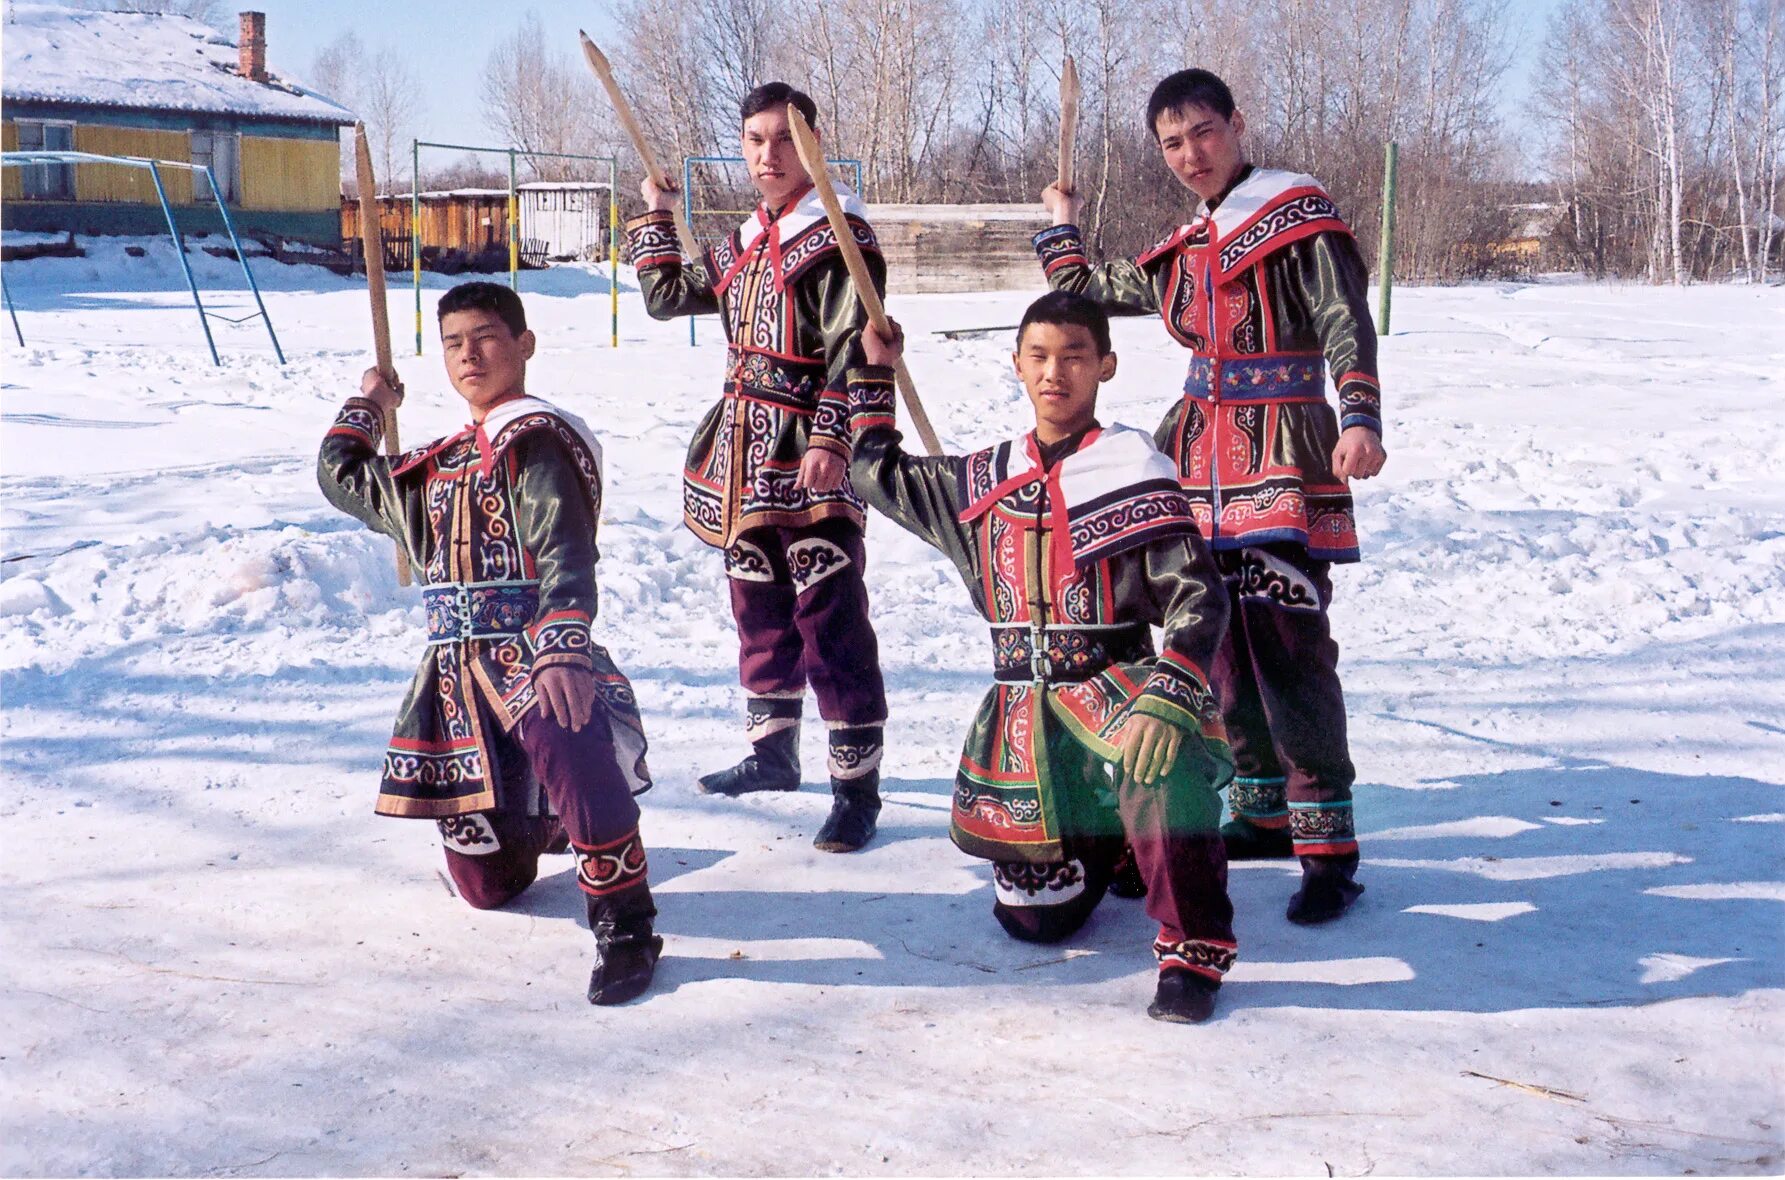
(389, 104)
(539, 100)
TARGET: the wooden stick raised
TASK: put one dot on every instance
(1069, 96)
(812, 159)
(371, 235)
(598, 63)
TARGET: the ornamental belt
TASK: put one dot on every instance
(458, 611)
(1071, 653)
(778, 381)
(1267, 377)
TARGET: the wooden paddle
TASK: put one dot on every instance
(1070, 93)
(371, 234)
(812, 159)
(598, 63)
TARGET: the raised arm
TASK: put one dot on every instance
(671, 287)
(354, 476)
(1122, 287)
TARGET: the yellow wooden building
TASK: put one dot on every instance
(166, 88)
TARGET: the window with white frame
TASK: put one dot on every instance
(221, 151)
(46, 182)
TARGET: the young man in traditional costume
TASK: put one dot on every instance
(1263, 286)
(519, 733)
(767, 477)
(1074, 539)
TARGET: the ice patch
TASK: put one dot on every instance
(1724, 891)
(1536, 868)
(1666, 968)
(1342, 972)
(1484, 911)
(1491, 827)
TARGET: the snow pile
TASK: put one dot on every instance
(1561, 660)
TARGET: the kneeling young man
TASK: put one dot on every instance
(1074, 539)
(518, 733)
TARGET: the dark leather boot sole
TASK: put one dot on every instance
(624, 971)
(1184, 997)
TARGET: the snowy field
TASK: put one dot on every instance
(1563, 657)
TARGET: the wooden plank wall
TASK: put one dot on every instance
(953, 248)
(469, 222)
(12, 183)
(109, 182)
(290, 175)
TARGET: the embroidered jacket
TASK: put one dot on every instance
(499, 524)
(1264, 290)
(791, 320)
(1071, 567)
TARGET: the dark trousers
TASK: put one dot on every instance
(802, 613)
(1171, 827)
(1276, 675)
(494, 855)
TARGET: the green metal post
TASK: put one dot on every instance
(514, 230)
(1385, 259)
(415, 231)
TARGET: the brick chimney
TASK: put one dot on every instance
(253, 46)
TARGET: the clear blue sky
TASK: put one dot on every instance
(447, 41)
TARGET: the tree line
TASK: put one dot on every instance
(1649, 146)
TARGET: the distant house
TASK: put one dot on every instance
(168, 88)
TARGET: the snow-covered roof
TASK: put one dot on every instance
(144, 62)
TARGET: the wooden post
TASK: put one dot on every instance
(1069, 96)
(371, 234)
(812, 159)
(1385, 257)
(598, 63)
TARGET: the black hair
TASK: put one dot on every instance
(1188, 88)
(775, 95)
(491, 297)
(1067, 307)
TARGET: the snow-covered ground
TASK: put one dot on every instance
(1563, 658)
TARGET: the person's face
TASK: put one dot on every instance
(769, 154)
(486, 362)
(1060, 369)
(1202, 149)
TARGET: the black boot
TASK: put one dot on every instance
(772, 765)
(1327, 889)
(625, 949)
(1247, 841)
(855, 788)
(855, 805)
(1184, 997)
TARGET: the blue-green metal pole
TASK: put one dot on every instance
(180, 252)
(242, 257)
(15, 315)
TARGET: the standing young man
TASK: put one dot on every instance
(767, 475)
(518, 732)
(1263, 286)
(1074, 540)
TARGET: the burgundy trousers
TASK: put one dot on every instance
(802, 613)
(494, 855)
